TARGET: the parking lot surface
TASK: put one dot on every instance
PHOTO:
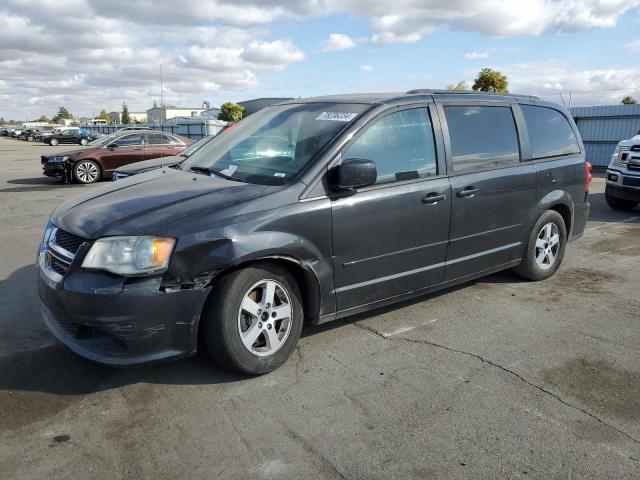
(498, 378)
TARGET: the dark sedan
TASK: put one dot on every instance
(103, 156)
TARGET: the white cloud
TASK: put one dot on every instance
(337, 42)
(90, 53)
(366, 68)
(476, 55)
(633, 46)
(272, 55)
(587, 86)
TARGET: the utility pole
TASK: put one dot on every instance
(161, 100)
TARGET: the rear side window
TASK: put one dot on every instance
(549, 132)
(401, 145)
(128, 140)
(482, 137)
(156, 139)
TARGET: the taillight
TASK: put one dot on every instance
(587, 175)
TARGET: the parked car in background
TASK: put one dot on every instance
(80, 136)
(372, 199)
(170, 162)
(104, 155)
(35, 133)
(623, 175)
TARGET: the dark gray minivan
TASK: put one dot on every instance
(308, 211)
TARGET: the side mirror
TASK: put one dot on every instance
(112, 146)
(355, 173)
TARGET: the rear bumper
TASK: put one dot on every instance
(580, 218)
(101, 317)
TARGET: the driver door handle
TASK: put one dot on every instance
(433, 198)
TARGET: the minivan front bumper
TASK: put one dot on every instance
(101, 317)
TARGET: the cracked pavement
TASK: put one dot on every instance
(498, 378)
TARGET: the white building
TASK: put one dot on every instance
(135, 117)
(161, 114)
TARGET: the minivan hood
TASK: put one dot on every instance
(149, 203)
(145, 165)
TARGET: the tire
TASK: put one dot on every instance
(543, 256)
(30, 138)
(54, 142)
(83, 141)
(86, 171)
(225, 320)
(620, 203)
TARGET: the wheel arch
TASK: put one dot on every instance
(305, 277)
(559, 201)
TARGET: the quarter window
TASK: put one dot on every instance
(482, 137)
(401, 145)
(549, 132)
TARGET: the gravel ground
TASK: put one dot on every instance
(498, 378)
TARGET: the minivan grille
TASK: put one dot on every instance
(70, 242)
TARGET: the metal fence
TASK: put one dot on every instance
(602, 127)
(192, 127)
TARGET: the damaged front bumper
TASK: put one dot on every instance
(118, 321)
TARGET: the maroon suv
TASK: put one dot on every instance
(101, 157)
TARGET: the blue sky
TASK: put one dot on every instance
(93, 54)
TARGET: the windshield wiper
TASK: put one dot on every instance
(218, 173)
(202, 170)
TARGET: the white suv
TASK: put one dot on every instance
(623, 175)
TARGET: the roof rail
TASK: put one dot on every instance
(429, 91)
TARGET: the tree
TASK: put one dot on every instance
(124, 116)
(42, 118)
(63, 114)
(231, 112)
(104, 116)
(155, 103)
(491, 81)
(461, 85)
(629, 100)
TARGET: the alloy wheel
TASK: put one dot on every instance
(547, 246)
(264, 319)
(87, 172)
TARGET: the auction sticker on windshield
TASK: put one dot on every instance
(337, 116)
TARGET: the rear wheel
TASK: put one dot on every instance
(83, 141)
(253, 319)
(86, 171)
(620, 203)
(53, 141)
(545, 248)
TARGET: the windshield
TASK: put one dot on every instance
(98, 142)
(274, 145)
(195, 146)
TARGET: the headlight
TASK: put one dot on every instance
(130, 256)
(58, 159)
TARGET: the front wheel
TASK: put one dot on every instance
(545, 248)
(83, 141)
(253, 319)
(86, 171)
(53, 141)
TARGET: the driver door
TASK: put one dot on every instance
(391, 238)
(123, 151)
